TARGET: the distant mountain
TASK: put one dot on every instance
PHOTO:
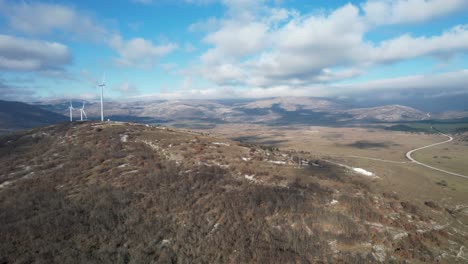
(272, 111)
(388, 113)
(295, 104)
(17, 115)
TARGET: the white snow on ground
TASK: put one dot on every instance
(246, 159)
(129, 172)
(333, 202)
(378, 252)
(277, 162)
(363, 172)
(400, 236)
(124, 138)
(221, 144)
(250, 177)
(123, 166)
(4, 184)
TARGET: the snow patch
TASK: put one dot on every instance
(277, 162)
(129, 172)
(5, 184)
(363, 172)
(221, 144)
(124, 138)
(400, 236)
(250, 177)
(378, 252)
(246, 159)
(333, 202)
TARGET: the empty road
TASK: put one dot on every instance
(408, 155)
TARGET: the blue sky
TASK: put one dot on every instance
(231, 48)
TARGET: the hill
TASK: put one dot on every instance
(271, 111)
(128, 193)
(388, 113)
(17, 115)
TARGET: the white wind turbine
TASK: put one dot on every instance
(82, 112)
(102, 85)
(71, 111)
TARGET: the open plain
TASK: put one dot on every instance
(379, 151)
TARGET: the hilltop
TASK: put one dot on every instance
(131, 193)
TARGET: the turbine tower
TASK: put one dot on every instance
(82, 112)
(71, 111)
(102, 85)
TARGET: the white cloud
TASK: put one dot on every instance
(126, 88)
(139, 52)
(196, 2)
(189, 47)
(20, 54)
(406, 47)
(34, 18)
(380, 12)
(442, 81)
(235, 40)
(264, 47)
(447, 82)
(210, 24)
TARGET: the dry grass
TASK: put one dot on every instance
(126, 193)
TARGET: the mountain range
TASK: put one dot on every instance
(269, 111)
(278, 110)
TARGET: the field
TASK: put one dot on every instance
(431, 127)
(377, 150)
(452, 156)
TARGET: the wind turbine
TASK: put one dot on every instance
(71, 111)
(82, 112)
(102, 85)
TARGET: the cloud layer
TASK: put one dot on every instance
(256, 45)
(20, 54)
(254, 48)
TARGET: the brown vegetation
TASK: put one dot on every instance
(81, 194)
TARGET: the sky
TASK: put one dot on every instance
(210, 49)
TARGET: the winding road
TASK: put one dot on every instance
(408, 155)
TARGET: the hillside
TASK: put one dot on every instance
(388, 113)
(17, 115)
(271, 111)
(129, 193)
